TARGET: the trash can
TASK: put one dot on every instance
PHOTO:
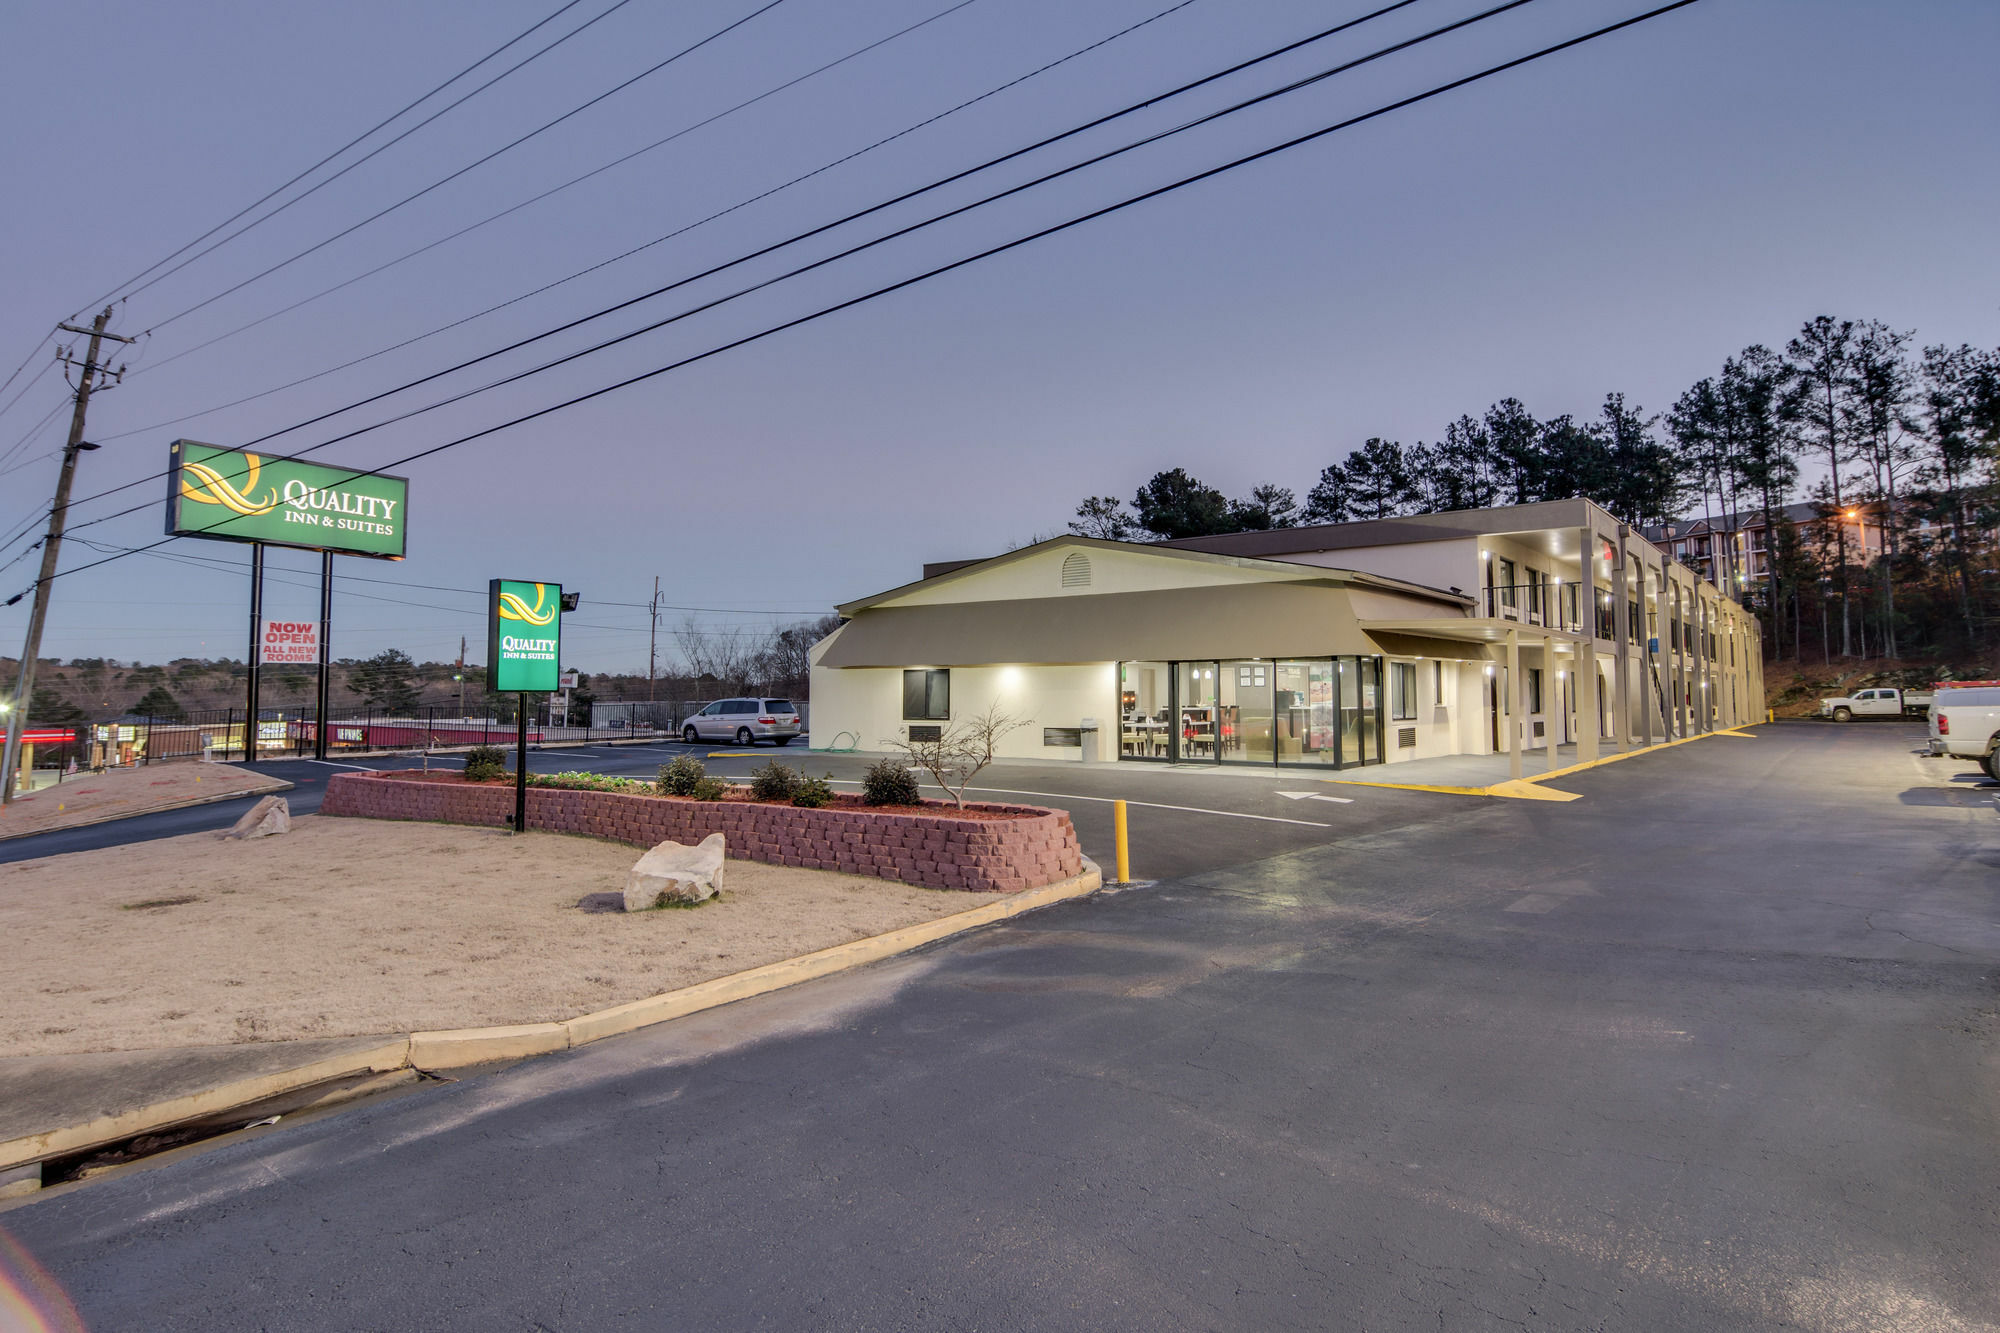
(1087, 734)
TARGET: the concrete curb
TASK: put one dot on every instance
(391, 1055)
(463, 1047)
(1527, 788)
(277, 785)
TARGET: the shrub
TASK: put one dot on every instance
(681, 776)
(774, 782)
(812, 793)
(484, 763)
(710, 789)
(890, 782)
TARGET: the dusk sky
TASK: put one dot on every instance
(1620, 216)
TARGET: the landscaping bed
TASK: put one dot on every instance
(345, 928)
(982, 848)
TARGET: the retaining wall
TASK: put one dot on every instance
(936, 851)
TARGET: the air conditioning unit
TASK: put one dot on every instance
(1509, 612)
(1534, 617)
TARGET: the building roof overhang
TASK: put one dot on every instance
(1276, 570)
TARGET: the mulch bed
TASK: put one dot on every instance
(738, 795)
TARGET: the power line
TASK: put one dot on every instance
(495, 217)
(257, 203)
(1004, 247)
(26, 361)
(1204, 119)
(33, 380)
(445, 180)
(1094, 214)
(1129, 109)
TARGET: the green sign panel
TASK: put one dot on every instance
(523, 637)
(232, 495)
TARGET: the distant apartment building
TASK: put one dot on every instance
(1333, 647)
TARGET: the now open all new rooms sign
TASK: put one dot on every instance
(234, 495)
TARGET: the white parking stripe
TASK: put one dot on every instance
(330, 764)
(1108, 800)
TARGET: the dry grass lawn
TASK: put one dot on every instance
(346, 927)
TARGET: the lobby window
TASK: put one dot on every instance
(926, 696)
(1403, 691)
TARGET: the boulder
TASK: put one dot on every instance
(675, 873)
(268, 816)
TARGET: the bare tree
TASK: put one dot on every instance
(961, 750)
(723, 656)
(784, 660)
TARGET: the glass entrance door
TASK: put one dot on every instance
(1311, 711)
(1245, 705)
(1145, 721)
(1197, 723)
(1304, 713)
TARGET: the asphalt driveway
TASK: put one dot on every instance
(1712, 1048)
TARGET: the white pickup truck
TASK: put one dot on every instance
(1876, 703)
(1965, 724)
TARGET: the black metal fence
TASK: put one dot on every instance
(223, 733)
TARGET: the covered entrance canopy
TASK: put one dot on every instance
(1299, 618)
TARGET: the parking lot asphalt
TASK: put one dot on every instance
(1182, 820)
(1715, 1047)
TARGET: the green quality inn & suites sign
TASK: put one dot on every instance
(234, 495)
(523, 636)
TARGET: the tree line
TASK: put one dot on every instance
(1853, 418)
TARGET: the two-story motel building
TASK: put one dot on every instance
(1339, 646)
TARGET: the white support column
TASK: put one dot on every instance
(1514, 709)
(1621, 654)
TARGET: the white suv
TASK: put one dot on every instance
(744, 721)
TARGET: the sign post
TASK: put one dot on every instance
(250, 735)
(523, 654)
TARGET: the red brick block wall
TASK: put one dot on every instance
(936, 851)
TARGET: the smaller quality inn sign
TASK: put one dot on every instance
(523, 636)
(234, 495)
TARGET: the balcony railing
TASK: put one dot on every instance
(1551, 605)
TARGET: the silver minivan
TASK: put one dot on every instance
(744, 721)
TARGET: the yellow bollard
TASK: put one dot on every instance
(1124, 847)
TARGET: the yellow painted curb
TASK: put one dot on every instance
(734, 754)
(391, 1055)
(459, 1047)
(1525, 788)
(806, 967)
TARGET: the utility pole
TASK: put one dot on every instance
(459, 676)
(24, 683)
(653, 641)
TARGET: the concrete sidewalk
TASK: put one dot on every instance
(96, 798)
(1489, 774)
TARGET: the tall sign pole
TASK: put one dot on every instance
(24, 681)
(523, 657)
(256, 659)
(325, 637)
(521, 763)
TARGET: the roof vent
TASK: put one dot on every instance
(1076, 570)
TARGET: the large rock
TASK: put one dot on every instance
(268, 816)
(675, 873)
